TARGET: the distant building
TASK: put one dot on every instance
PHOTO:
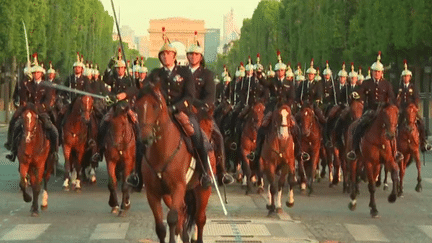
(180, 32)
(231, 31)
(128, 36)
(212, 42)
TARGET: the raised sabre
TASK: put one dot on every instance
(65, 88)
(27, 45)
(120, 39)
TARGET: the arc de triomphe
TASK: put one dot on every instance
(180, 32)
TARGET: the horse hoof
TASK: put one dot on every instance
(78, 190)
(310, 191)
(27, 198)
(418, 188)
(66, 188)
(35, 214)
(378, 184)
(400, 194)
(374, 213)
(44, 207)
(115, 210)
(385, 187)
(279, 210)
(331, 185)
(260, 190)
(392, 198)
(352, 206)
(122, 213)
(290, 205)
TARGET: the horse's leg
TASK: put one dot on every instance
(128, 167)
(403, 165)
(280, 186)
(46, 177)
(372, 173)
(36, 175)
(385, 187)
(201, 218)
(112, 185)
(393, 167)
(292, 182)
(314, 162)
(416, 154)
(302, 172)
(246, 169)
(78, 168)
(378, 179)
(24, 168)
(175, 216)
(336, 168)
(67, 154)
(155, 204)
(354, 184)
(270, 174)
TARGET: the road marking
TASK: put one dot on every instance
(366, 232)
(427, 229)
(26, 232)
(110, 231)
(428, 180)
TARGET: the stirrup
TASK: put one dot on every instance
(329, 144)
(251, 156)
(96, 157)
(427, 147)
(233, 146)
(11, 157)
(305, 156)
(205, 180)
(399, 156)
(351, 155)
(133, 180)
(227, 179)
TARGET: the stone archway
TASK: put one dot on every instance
(180, 31)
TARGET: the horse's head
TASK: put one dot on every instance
(390, 120)
(282, 120)
(258, 113)
(356, 109)
(307, 117)
(30, 118)
(151, 110)
(121, 108)
(411, 113)
(84, 104)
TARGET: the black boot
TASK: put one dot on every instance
(299, 153)
(259, 143)
(97, 157)
(135, 178)
(10, 134)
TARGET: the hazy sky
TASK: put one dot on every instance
(137, 13)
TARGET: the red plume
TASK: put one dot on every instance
(35, 55)
(258, 55)
(343, 63)
(405, 62)
(312, 60)
(327, 62)
(278, 52)
(142, 58)
(317, 68)
(359, 68)
(163, 29)
(241, 64)
(289, 63)
(196, 32)
(379, 53)
(352, 63)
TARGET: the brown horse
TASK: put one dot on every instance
(408, 144)
(278, 157)
(169, 170)
(248, 141)
(119, 156)
(75, 137)
(34, 159)
(311, 144)
(378, 146)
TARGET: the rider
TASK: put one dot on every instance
(142, 74)
(373, 91)
(205, 98)
(42, 96)
(408, 94)
(179, 90)
(281, 91)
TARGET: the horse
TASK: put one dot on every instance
(75, 137)
(120, 156)
(408, 143)
(169, 170)
(378, 146)
(34, 159)
(277, 156)
(311, 144)
(248, 141)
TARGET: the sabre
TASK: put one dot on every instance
(65, 88)
(27, 45)
(120, 39)
(334, 89)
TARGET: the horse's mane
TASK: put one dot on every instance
(31, 106)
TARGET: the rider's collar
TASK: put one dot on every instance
(193, 69)
(169, 69)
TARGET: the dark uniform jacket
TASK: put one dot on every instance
(373, 93)
(342, 92)
(205, 88)
(21, 92)
(119, 84)
(253, 90)
(407, 95)
(79, 83)
(283, 90)
(42, 96)
(177, 86)
(328, 92)
(310, 91)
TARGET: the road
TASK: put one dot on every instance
(321, 217)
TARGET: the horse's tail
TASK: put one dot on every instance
(191, 208)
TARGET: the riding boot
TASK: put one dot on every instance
(17, 133)
(90, 141)
(256, 156)
(135, 178)
(10, 137)
(299, 153)
(100, 140)
(358, 134)
(219, 151)
(424, 145)
(318, 112)
(52, 134)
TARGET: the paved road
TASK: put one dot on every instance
(322, 217)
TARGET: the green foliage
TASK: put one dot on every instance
(57, 30)
(337, 31)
